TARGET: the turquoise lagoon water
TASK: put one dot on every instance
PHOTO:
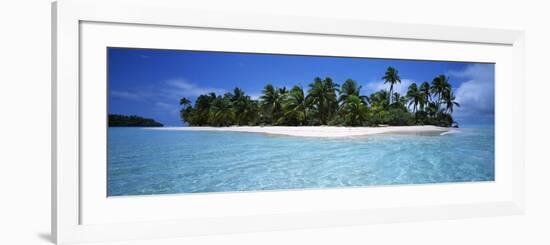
(145, 161)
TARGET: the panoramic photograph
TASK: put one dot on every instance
(182, 122)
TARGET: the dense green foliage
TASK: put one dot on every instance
(131, 121)
(327, 103)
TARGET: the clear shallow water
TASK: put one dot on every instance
(146, 161)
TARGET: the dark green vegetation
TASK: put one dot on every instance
(131, 121)
(327, 103)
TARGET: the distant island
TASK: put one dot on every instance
(327, 103)
(132, 121)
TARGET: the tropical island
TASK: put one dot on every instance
(257, 122)
(116, 120)
(327, 103)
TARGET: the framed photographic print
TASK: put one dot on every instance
(170, 122)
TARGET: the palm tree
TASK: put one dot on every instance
(295, 105)
(449, 101)
(322, 96)
(379, 98)
(440, 85)
(349, 88)
(271, 102)
(332, 89)
(186, 113)
(426, 96)
(354, 111)
(414, 96)
(398, 100)
(392, 77)
(316, 98)
(185, 102)
(241, 104)
(250, 114)
(238, 94)
(201, 112)
(222, 113)
(432, 109)
(282, 90)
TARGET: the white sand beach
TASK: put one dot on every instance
(318, 131)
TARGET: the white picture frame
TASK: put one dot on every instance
(70, 190)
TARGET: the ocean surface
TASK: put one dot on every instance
(144, 161)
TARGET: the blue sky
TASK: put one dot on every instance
(149, 83)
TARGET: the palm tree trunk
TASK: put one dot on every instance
(305, 117)
(391, 92)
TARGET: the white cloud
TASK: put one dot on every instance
(255, 96)
(182, 87)
(477, 94)
(482, 72)
(172, 90)
(379, 85)
(126, 95)
(172, 108)
(164, 105)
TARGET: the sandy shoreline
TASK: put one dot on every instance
(317, 131)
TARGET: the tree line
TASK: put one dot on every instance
(116, 120)
(328, 103)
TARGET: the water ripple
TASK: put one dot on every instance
(154, 162)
